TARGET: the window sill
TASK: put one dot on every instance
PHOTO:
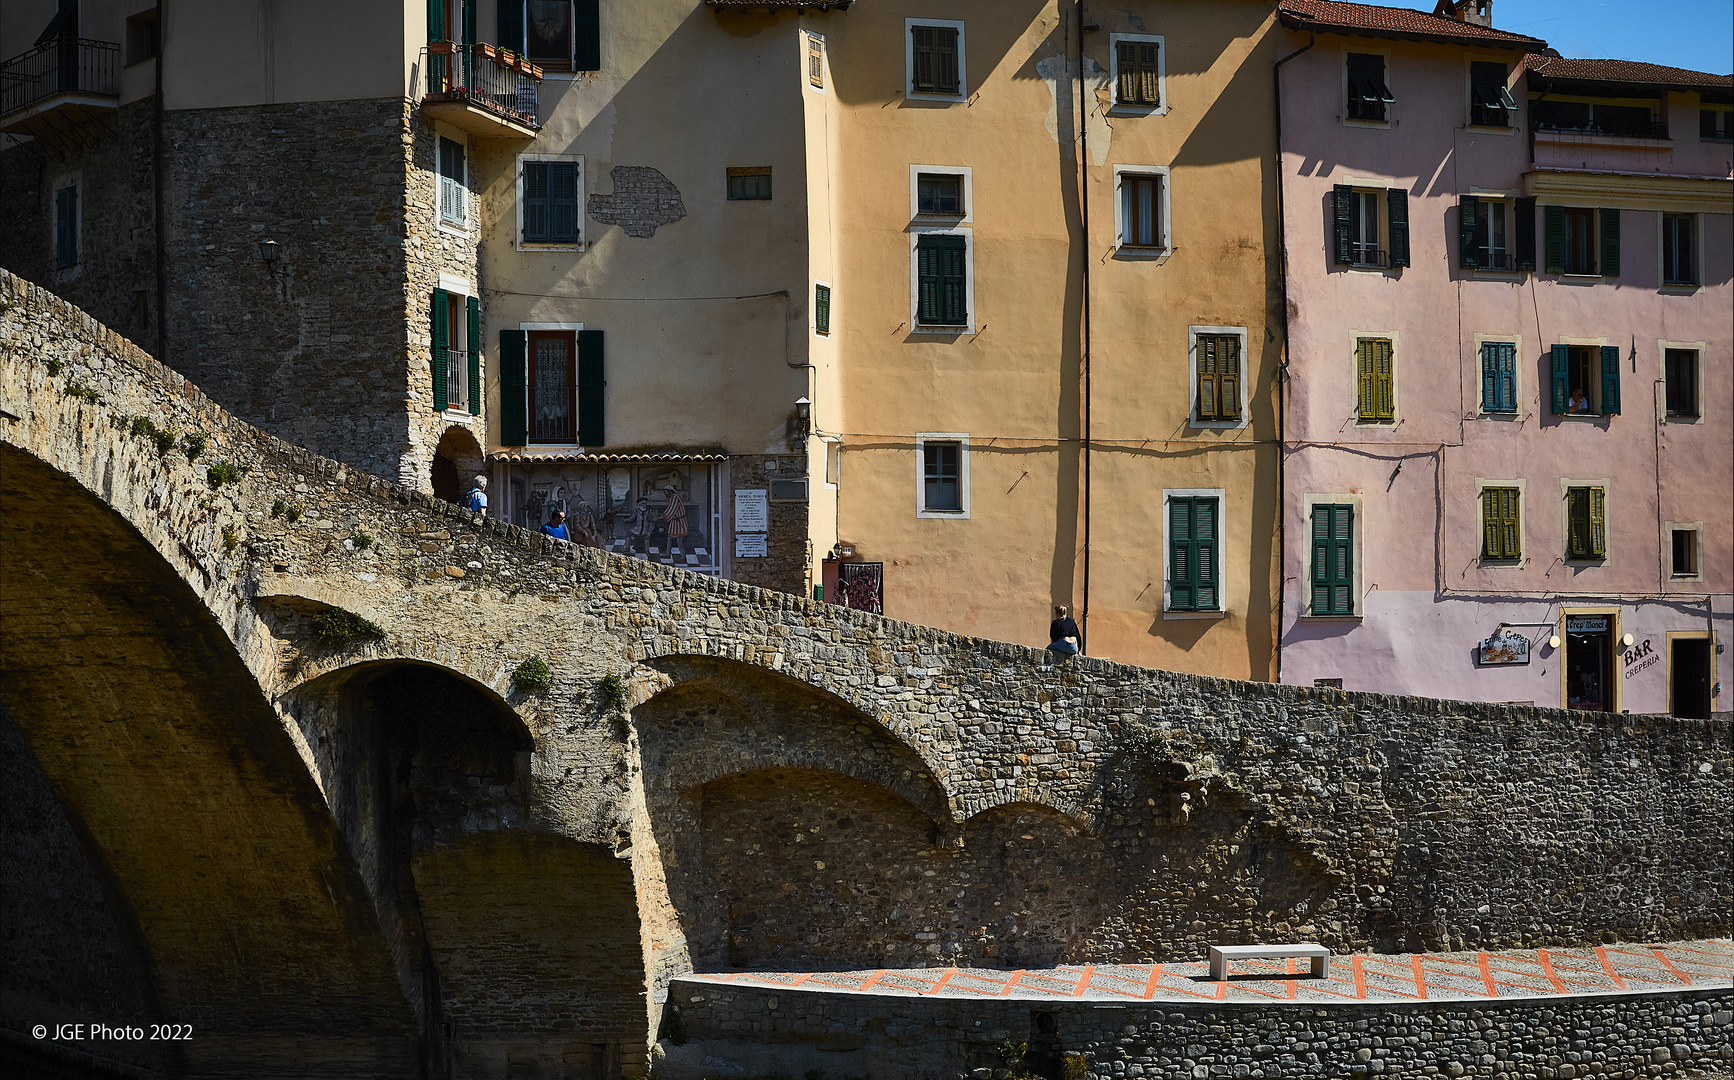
(963, 329)
(1500, 414)
(1310, 617)
(1680, 288)
(1491, 129)
(1583, 417)
(1142, 251)
(1671, 418)
(951, 515)
(1183, 614)
(462, 416)
(1365, 423)
(1587, 278)
(1486, 562)
(1357, 122)
(1585, 560)
(1492, 272)
(527, 246)
(1218, 425)
(930, 217)
(1685, 578)
(913, 95)
(1123, 108)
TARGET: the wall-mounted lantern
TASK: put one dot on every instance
(268, 252)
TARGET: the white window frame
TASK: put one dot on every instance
(1162, 174)
(75, 180)
(807, 61)
(457, 286)
(1669, 528)
(968, 175)
(1518, 388)
(961, 438)
(1481, 560)
(909, 61)
(1698, 267)
(442, 132)
(1119, 108)
(1358, 598)
(1192, 333)
(1395, 338)
(915, 324)
(1222, 609)
(1509, 200)
(1363, 46)
(518, 204)
(1606, 483)
(1662, 347)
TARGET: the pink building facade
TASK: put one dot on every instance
(1508, 403)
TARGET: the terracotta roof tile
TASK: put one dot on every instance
(1626, 71)
(1405, 22)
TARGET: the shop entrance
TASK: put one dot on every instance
(1589, 662)
(1689, 677)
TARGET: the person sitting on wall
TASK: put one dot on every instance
(476, 499)
(556, 526)
(1062, 633)
(1579, 403)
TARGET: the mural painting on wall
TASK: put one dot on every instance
(659, 511)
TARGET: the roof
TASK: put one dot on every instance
(1333, 17)
(1623, 71)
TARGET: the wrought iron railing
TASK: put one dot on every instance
(481, 76)
(1621, 129)
(458, 380)
(1368, 255)
(1492, 260)
(65, 65)
(551, 411)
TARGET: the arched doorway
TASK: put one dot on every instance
(457, 459)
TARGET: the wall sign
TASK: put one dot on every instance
(751, 546)
(1503, 648)
(752, 510)
(1587, 624)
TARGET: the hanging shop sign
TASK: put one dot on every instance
(1503, 648)
(1587, 624)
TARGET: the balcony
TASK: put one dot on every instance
(64, 93)
(475, 88)
(1606, 128)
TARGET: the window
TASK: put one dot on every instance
(1216, 357)
(942, 280)
(1137, 74)
(557, 35)
(143, 36)
(1363, 218)
(1333, 559)
(815, 61)
(454, 201)
(551, 385)
(548, 200)
(1498, 377)
(1680, 370)
(935, 59)
(1501, 524)
(1369, 97)
(552, 382)
(1586, 380)
(943, 479)
(1141, 211)
(941, 194)
(66, 227)
(1625, 119)
(1716, 123)
(1496, 234)
(1679, 252)
(1490, 103)
(1376, 390)
(1194, 555)
(822, 309)
(1571, 241)
(1586, 523)
(749, 184)
(1684, 563)
(457, 348)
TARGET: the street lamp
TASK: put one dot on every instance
(268, 251)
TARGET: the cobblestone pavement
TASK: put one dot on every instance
(1353, 977)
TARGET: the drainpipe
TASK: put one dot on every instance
(1282, 371)
(157, 151)
(1084, 356)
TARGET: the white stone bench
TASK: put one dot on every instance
(1220, 955)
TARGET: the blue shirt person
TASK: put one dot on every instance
(556, 526)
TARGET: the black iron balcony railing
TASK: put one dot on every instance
(482, 77)
(62, 66)
(1620, 129)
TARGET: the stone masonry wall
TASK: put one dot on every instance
(1683, 1034)
(785, 568)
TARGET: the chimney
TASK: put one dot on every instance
(1473, 12)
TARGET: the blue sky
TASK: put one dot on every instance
(1696, 34)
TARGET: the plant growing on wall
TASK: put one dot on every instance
(533, 676)
(193, 444)
(225, 472)
(611, 689)
(335, 626)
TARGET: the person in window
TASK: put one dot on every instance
(1579, 403)
(1062, 633)
(476, 499)
(556, 526)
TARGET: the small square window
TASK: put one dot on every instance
(1680, 369)
(548, 208)
(1716, 123)
(1369, 98)
(942, 481)
(746, 185)
(1501, 523)
(453, 193)
(1685, 560)
(1679, 249)
(942, 280)
(822, 309)
(935, 59)
(1138, 73)
(940, 194)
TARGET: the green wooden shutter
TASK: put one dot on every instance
(1343, 205)
(1561, 363)
(921, 46)
(590, 388)
(1468, 221)
(1511, 522)
(1208, 391)
(441, 351)
(473, 309)
(469, 22)
(1610, 380)
(927, 280)
(944, 286)
(1505, 357)
(945, 68)
(563, 202)
(511, 24)
(1333, 569)
(1525, 226)
(1376, 391)
(587, 35)
(1490, 545)
(1228, 377)
(514, 395)
(1555, 239)
(1489, 379)
(1598, 524)
(1610, 243)
(1182, 559)
(1126, 84)
(536, 218)
(822, 308)
(1206, 595)
(1397, 201)
(1576, 522)
(1149, 84)
(436, 20)
(1364, 378)
(66, 227)
(1500, 528)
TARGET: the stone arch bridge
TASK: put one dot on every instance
(380, 857)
